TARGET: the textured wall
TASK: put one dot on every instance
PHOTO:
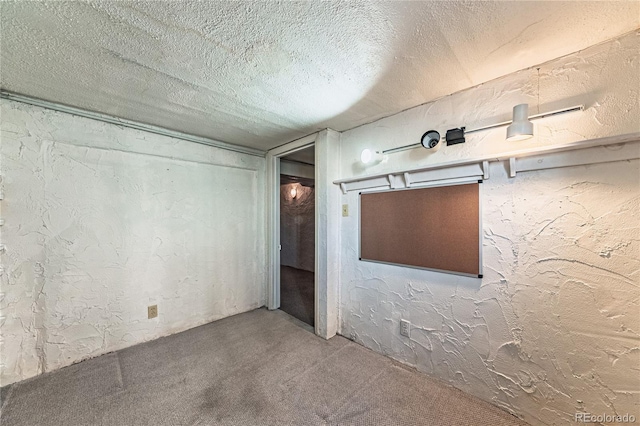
(101, 221)
(297, 226)
(554, 325)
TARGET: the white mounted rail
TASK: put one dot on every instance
(588, 152)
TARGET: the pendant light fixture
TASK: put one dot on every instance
(369, 157)
(520, 128)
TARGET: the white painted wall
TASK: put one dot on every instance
(328, 241)
(553, 327)
(101, 221)
(297, 226)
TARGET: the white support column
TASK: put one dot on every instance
(327, 233)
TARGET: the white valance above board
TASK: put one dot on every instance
(601, 150)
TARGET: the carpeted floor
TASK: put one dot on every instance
(297, 293)
(257, 368)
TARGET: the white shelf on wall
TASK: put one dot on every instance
(593, 151)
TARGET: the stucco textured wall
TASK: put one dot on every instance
(102, 221)
(553, 328)
(297, 226)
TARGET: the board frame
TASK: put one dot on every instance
(424, 186)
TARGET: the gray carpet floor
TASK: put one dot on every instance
(297, 293)
(258, 368)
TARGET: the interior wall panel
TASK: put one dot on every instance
(102, 221)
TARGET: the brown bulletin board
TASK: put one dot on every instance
(436, 228)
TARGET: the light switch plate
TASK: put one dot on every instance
(345, 210)
(405, 327)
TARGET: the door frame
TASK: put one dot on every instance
(273, 219)
(327, 227)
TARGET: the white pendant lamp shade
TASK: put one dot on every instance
(520, 128)
(366, 156)
(369, 157)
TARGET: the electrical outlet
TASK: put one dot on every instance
(152, 311)
(345, 210)
(405, 326)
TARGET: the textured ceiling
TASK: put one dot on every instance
(262, 73)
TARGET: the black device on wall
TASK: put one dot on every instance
(430, 139)
(455, 136)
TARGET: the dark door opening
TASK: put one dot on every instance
(297, 235)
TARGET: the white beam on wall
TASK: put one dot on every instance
(129, 123)
(597, 154)
(601, 150)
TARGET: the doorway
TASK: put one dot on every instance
(326, 145)
(297, 234)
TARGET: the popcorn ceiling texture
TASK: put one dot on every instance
(101, 221)
(553, 328)
(297, 226)
(262, 73)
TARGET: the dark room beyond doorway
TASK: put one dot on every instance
(297, 236)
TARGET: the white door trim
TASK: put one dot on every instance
(327, 227)
(273, 214)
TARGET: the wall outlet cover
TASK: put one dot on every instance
(405, 327)
(152, 311)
